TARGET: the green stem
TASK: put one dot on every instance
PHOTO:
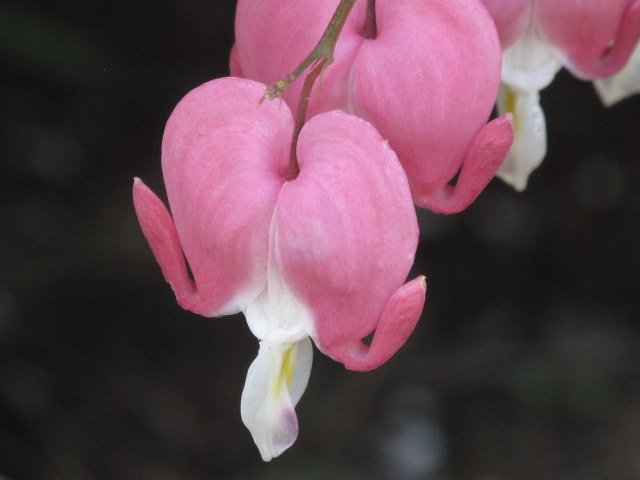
(319, 59)
(294, 168)
(324, 49)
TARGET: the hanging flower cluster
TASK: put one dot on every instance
(299, 212)
(592, 39)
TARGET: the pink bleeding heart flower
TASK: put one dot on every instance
(322, 257)
(590, 38)
(428, 82)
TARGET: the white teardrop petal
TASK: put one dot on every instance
(302, 370)
(275, 382)
(530, 136)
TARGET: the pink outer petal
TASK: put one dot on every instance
(596, 38)
(346, 236)
(435, 97)
(223, 159)
(511, 18)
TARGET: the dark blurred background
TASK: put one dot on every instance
(524, 366)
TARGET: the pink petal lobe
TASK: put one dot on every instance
(223, 159)
(484, 157)
(346, 229)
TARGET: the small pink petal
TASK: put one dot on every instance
(160, 232)
(396, 324)
(484, 157)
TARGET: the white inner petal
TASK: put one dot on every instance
(530, 64)
(276, 316)
(278, 376)
(530, 135)
(275, 382)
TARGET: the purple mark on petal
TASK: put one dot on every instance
(286, 435)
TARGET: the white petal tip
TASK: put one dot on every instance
(275, 381)
(280, 437)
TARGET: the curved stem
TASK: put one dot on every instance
(324, 49)
(294, 169)
(319, 59)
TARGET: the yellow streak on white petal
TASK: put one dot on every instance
(509, 106)
(529, 143)
(278, 376)
(282, 379)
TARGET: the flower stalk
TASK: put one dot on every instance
(294, 169)
(324, 49)
(370, 26)
(319, 59)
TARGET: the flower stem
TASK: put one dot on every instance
(319, 59)
(324, 49)
(294, 169)
(371, 27)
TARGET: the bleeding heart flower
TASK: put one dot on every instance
(428, 82)
(323, 256)
(590, 38)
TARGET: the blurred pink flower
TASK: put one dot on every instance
(591, 38)
(323, 256)
(623, 84)
(428, 82)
